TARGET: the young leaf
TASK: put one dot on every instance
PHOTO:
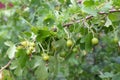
(11, 51)
(8, 43)
(108, 22)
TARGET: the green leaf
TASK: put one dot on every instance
(88, 3)
(106, 75)
(28, 34)
(60, 44)
(42, 34)
(36, 61)
(114, 16)
(116, 2)
(116, 59)
(88, 44)
(107, 6)
(60, 76)
(53, 65)
(73, 61)
(35, 30)
(116, 77)
(18, 71)
(11, 51)
(89, 7)
(65, 72)
(22, 57)
(73, 2)
(108, 22)
(14, 64)
(20, 53)
(90, 10)
(7, 75)
(41, 72)
(95, 69)
(82, 40)
(48, 21)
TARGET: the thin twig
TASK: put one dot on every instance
(70, 23)
(89, 17)
(40, 46)
(27, 22)
(4, 67)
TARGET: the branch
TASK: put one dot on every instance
(70, 23)
(6, 65)
(90, 16)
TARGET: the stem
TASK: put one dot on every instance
(89, 28)
(67, 33)
(4, 67)
(86, 24)
(27, 22)
(40, 45)
(89, 17)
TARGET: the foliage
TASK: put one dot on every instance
(60, 40)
